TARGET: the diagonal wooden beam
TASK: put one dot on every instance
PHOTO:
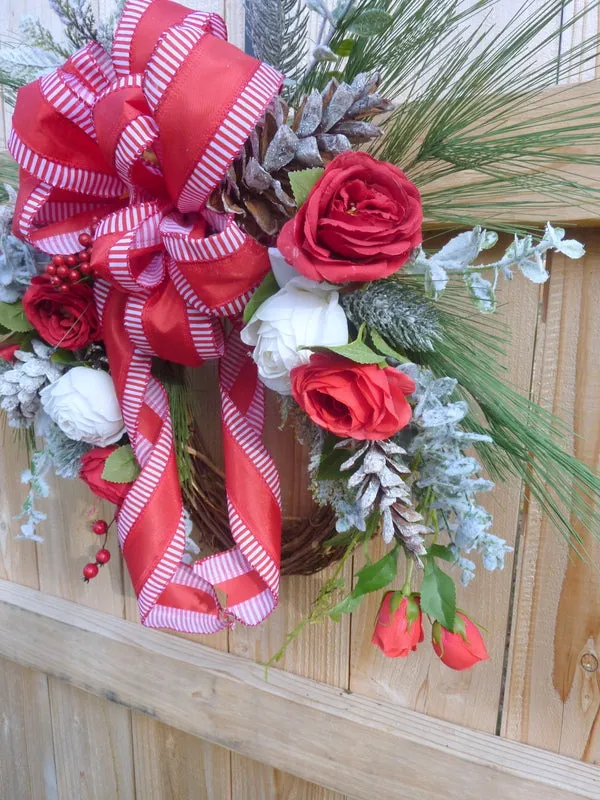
(357, 746)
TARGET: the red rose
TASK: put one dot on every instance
(361, 401)
(92, 465)
(397, 633)
(459, 650)
(359, 223)
(7, 351)
(68, 320)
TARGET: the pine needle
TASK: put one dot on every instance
(527, 439)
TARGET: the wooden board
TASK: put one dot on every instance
(350, 744)
(553, 695)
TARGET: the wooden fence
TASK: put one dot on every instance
(94, 706)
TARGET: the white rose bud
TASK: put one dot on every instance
(83, 403)
(303, 313)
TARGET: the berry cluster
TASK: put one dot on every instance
(64, 271)
(100, 528)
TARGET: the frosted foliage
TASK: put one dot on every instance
(458, 256)
(22, 381)
(34, 477)
(19, 263)
(450, 475)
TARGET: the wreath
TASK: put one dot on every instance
(180, 201)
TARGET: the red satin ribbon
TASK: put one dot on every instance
(140, 139)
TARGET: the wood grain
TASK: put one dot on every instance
(315, 731)
(553, 692)
(27, 759)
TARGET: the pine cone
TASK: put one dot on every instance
(22, 381)
(257, 187)
(381, 486)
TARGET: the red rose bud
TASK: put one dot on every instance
(360, 222)
(66, 319)
(361, 401)
(7, 351)
(92, 466)
(460, 650)
(399, 628)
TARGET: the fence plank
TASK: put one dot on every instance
(27, 765)
(348, 742)
(554, 693)
(92, 739)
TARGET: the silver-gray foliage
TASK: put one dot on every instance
(34, 477)
(22, 381)
(458, 257)
(65, 453)
(19, 263)
(452, 476)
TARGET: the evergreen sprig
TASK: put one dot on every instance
(278, 30)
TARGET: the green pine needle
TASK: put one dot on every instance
(527, 439)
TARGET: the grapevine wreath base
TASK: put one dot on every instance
(180, 201)
(303, 541)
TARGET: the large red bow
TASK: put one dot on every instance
(140, 139)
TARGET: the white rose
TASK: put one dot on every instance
(83, 403)
(303, 313)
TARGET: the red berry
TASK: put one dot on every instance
(51, 269)
(62, 271)
(85, 239)
(58, 260)
(72, 260)
(90, 571)
(103, 556)
(74, 276)
(100, 527)
(54, 281)
(84, 255)
(86, 268)
(64, 288)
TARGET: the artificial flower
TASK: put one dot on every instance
(302, 314)
(361, 401)
(460, 650)
(7, 351)
(399, 631)
(92, 466)
(83, 403)
(67, 319)
(360, 222)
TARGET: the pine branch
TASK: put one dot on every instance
(279, 33)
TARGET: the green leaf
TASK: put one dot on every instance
(440, 551)
(380, 344)
(396, 601)
(12, 317)
(267, 288)
(302, 181)
(356, 351)
(344, 48)
(331, 461)
(413, 610)
(345, 606)
(438, 595)
(371, 22)
(377, 575)
(62, 356)
(121, 466)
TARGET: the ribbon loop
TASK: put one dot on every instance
(130, 140)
